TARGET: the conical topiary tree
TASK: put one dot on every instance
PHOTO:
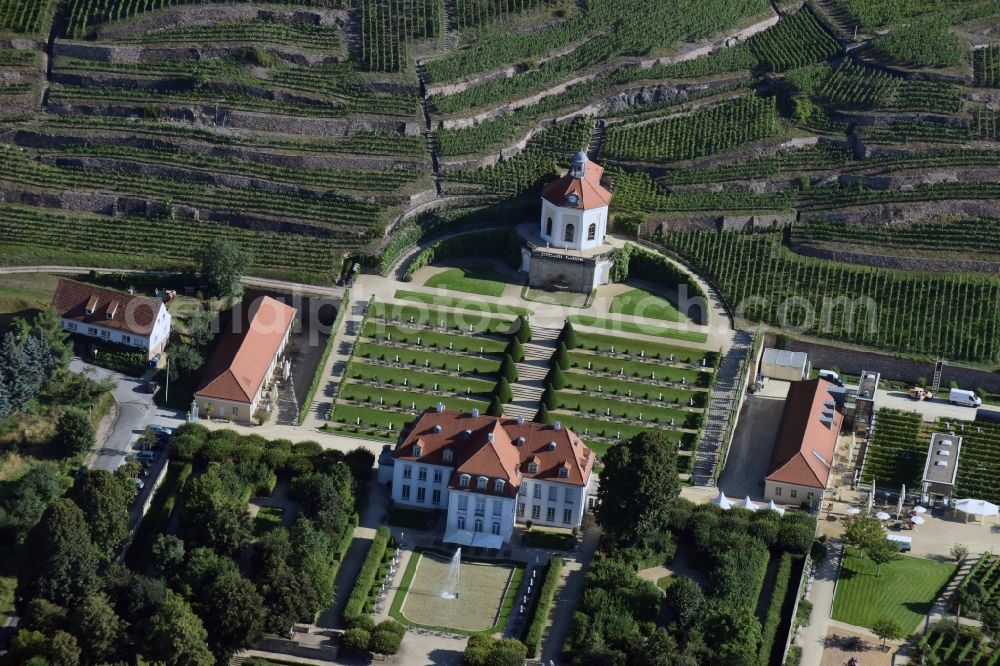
(561, 358)
(549, 399)
(495, 408)
(515, 350)
(556, 379)
(508, 369)
(568, 336)
(522, 331)
(542, 416)
(502, 391)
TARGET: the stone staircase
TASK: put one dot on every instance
(720, 405)
(942, 604)
(530, 384)
(346, 335)
(596, 146)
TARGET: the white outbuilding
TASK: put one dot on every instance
(786, 365)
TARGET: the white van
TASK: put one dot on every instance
(965, 398)
(831, 376)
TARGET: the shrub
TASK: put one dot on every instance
(548, 399)
(561, 358)
(356, 639)
(769, 630)
(502, 391)
(556, 379)
(385, 641)
(508, 369)
(354, 609)
(568, 336)
(515, 350)
(540, 613)
(495, 408)
(522, 330)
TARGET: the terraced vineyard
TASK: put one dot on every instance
(896, 454)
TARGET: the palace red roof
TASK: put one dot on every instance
(807, 436)
(588, 190)
(241, 359)
(128, 313)
(496, 448)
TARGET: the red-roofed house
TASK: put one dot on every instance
(568, 248)
(244, 362)
(807, 438)
(112, 316)
(489, 472)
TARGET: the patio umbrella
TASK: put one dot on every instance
(919, 509)
(917, 520)
(748, 504)
(882, 515)
(853, 511)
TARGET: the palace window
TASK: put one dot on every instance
(463, 480)
(481, 483)
(592, 232)
(496, 529)
(570, 234)
(498, 486)
(550, 515)
(406, 491)
(548, 227)
(435, 497)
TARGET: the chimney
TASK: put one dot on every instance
(520, 419)
(437, 427)
(557, 426)
(489, 438)
(475, 412)
(440, 407)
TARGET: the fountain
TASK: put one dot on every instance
(450, 590)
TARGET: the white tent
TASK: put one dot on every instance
(771, 506)
(976, 507)
(748, 504)
(723, 501)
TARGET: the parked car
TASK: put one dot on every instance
(831, 376)
(145, 455)
(155, 361)
(162, 430)
(965, 398)
(139, 484)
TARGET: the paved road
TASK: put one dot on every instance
(930, 410)
(136, 411)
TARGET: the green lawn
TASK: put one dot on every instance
(548, 540)
(641, 303)
(268, 518)
(582, 381)
(391, 333)
(428, 359)
(417, 379)
(625, 408)
(464, 322)
(639, 329)
(626, 368)
(410, 399)
(485, 281)
(461, 303)
(904, 592)
(658, 350)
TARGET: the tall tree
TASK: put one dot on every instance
(638, 487)
(185, 361)
(326, 498)
(104, 498)
(74, 431)
(233, 613)
(176, 636)
(222, 265)
(28, 498)
(99, 628)
(883, 552)
(63, 561)
(48, 326)
(863, 531)
(887, 628)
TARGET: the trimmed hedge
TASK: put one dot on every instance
(773, 620)
(543, 604)
(156, 519)
(354, 610)
(499, 243)
(318, 377)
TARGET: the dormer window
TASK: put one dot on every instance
(498, 486)
(463, 481)
(416, 450)
(519, 441)
(437, 428)
(552, 446)
(91, 305)
(447, 455)
(563, 473)
(481, 483)
(112, 309)
(532, 467)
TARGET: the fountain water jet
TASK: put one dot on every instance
(450, 590)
